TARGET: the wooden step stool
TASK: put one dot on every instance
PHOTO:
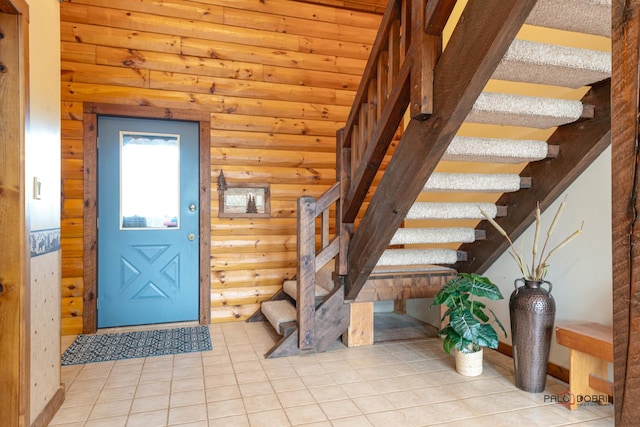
(590, 349)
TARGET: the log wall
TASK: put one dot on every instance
(278, 78)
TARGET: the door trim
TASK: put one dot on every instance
(15, 283)
(90, 260)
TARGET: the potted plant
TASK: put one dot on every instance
(532, 308)
(469, 327)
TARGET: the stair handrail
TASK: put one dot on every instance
(398, 74)
(309, 262)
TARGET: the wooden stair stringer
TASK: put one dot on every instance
(331, 320)
(456, 87)
(580, 144)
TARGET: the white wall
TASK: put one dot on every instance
(42, 153)
(581, 272)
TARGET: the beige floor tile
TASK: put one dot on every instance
(278, 373)
(128, 369)
(602, 422)
(411, 383)
(499, 402)
(276, 417)
(120, 421)
(246, 365)
(117, 393)
(90, 384)
(223, 369)
(328, 393)
(93, 370)
(71, 415)
(80, 398)
(403, 399)
(287, 384)
(358, 421)
(187, 414)
(114, 381)
(187, 398)
(256, 389)
(295, 398)
(251, 376)
(188, 372)
(220, 380)
(152, 365)
(262, 403)
(216, 394)
(225, 408)
(148, 419)
(317, 380)
(305, 414)
(419, 415)
(340, 409)
(202, 423)
(110, 409)
(187, 362)
(150, 403)
(360, 389)
(153, 389)
(155, 376)
(235, 421)
(371, 404)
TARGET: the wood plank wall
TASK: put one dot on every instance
(278, 78)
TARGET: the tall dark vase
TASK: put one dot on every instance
(533, 311)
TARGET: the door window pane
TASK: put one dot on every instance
(149, 180)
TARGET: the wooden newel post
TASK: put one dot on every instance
(306, 272)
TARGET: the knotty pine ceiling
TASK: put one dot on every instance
(377, 6)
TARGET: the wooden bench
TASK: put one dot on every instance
(590, 350)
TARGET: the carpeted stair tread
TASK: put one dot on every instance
(465, 148)
(532, 62)
(519, 110)
(412, 236)
(450, 210)
(480, 183)
(387, 270)
(290, 287)
(278, 312)
(582, 16)
(397, 257)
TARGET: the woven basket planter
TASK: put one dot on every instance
(469, 364)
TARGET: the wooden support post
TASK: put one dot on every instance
(582, 366)
(400, 306)
(360, 331)
(306, 272)
(428, 49)
(625, 168)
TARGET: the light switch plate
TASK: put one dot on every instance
(37, 188)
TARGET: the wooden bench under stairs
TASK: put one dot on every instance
(405, 216)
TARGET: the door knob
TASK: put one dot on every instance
(191, 237)
(192, 207)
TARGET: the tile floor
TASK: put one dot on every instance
(399, 383)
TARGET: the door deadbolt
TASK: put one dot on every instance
(192, 207)
(191, 237)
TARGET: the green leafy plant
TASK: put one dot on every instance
(539, 262)
(469, 327)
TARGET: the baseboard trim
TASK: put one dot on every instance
(50, 410)
(554, 370)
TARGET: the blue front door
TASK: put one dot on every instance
(148, 221)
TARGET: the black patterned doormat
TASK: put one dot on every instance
(129, 345)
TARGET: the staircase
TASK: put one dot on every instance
(402, 232)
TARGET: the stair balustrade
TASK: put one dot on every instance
(309, 262)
